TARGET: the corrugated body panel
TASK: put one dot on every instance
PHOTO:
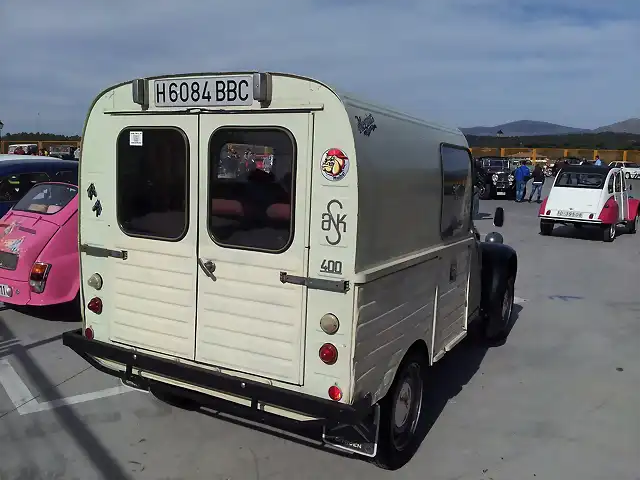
(155, 300)
(452, 299)
(249, 321)
(393, 312)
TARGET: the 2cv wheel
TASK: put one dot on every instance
(401, 413)
(609, 233)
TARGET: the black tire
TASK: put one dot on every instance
(484, 192)
(633, 225)
(546, 228)
(398, 443)
(499, 319)
(609, 233)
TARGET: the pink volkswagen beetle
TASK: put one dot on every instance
(39, 261)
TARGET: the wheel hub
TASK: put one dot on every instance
(403, 405)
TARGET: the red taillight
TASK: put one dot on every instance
(95, 305)
(328, 354)
(335, 393)
(88, 333)
(548, 212)
(590, 216)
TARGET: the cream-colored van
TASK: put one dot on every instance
(319, 288)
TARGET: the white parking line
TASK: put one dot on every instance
(25, 403)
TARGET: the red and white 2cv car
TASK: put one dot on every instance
(591, 195)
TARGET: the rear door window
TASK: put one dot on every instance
(151, 186)
(14, 187)
(251, 188)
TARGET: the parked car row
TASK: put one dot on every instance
(39, 262)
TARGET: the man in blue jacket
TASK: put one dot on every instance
(521, 175)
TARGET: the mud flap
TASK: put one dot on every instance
(361, 438)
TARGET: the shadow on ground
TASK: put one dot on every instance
(591, 233)
(64, 312)
(92, 449)
(444, 381)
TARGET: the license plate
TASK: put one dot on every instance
(568, 213)
(501, 193)
(6, 291)
(234, 90)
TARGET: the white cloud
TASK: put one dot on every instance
(463, 62)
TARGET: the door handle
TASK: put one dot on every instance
(208, 268)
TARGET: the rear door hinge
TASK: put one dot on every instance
(338, 286)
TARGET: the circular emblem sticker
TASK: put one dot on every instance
(334, 164)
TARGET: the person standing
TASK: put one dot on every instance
(521, 175)
(538, 182)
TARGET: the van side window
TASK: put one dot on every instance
(151, 184)
(251, 188)
(456, 191)
(13, 187)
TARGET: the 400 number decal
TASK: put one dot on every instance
(333, 267)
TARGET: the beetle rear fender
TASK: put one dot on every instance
(634, 206)
(499, 262)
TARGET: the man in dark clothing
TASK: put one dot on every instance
(538, 181)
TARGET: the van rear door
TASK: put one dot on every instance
(146, 205)
(253, 226)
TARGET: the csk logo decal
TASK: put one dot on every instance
(334, 164)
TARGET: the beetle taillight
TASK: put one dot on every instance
(38, 276)
(95, 305)
(328, 353)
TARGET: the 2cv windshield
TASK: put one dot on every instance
(46, 198)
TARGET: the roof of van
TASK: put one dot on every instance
(341, 94)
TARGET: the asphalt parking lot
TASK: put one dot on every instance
(559, 401)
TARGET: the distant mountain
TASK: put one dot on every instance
(528, 128)
(627, 126)
(523, 128)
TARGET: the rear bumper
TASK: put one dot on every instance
(586, 221)
(258, 392)
(21, 292)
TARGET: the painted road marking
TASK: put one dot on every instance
(25, 403)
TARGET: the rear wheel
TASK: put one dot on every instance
(633, 224)
(401, 413)
(546, 228)
(609, 232)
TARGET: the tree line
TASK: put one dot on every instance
(39, 137)
(590, 141)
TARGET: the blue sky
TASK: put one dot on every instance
(460, 62)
